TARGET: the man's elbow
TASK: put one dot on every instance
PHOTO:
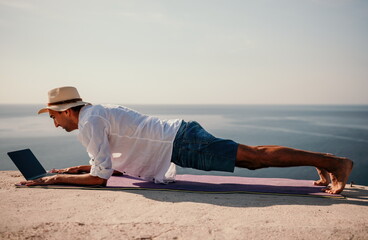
(99, 181)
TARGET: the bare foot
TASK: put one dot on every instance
(324, 178)
(340, 176)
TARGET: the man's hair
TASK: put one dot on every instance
(77, 108)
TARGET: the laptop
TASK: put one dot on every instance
(28, 164)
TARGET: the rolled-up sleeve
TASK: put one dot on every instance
(94, 136)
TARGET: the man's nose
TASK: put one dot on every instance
(56, 124)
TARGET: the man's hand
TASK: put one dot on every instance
(73, 170)
(40, 181)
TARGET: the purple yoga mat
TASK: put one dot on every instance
(225, 184)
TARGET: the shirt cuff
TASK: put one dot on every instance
(101, 172)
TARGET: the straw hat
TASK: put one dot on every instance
(63, 98)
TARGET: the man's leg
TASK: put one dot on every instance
(328, 166)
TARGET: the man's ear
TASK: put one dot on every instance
(67, 112)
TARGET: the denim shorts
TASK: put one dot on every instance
(195, 148)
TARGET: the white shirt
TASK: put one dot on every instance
(118, 138)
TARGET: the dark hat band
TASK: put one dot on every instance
(65, 102)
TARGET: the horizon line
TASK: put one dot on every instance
(216, 104)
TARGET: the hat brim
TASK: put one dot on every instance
(62, 107)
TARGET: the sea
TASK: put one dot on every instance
(338, 129)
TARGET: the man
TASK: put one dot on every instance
(119, 139)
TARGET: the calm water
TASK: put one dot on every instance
(341, 130)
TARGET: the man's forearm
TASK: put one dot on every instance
(80, 179)
(84, 168)
(76, 169)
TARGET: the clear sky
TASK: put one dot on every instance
(186, 51)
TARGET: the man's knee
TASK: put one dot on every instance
(249, 157)
(251, 165)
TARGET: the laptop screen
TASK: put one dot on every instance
(27, 163)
